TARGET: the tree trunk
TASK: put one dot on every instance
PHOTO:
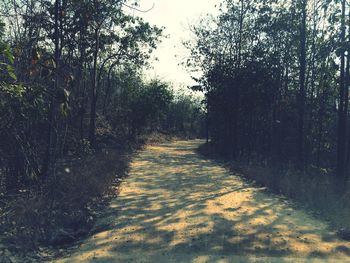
(302, 92)
(51, 136)
(342, 114)
(92, 125)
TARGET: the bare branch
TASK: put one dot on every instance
(139, 10)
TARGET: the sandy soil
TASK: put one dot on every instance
(177, 206)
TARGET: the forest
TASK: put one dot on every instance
(276, 81)
(72, 86)
(76, 104)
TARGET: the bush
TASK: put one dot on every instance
(64, 209)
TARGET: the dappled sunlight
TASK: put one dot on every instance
(177, 207)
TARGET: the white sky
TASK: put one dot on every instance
(175, 16)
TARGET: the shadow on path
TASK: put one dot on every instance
(178, 207)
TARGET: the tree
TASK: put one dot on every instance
(302, 91)
(71, 52)
(287, 101)
(342, 107)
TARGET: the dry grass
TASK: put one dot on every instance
(156, 138)
(65, 208)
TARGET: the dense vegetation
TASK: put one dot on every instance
(276, 81)
(71, 87)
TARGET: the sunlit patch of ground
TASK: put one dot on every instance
(178, 207)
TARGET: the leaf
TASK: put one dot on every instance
(11, 72)
(64, 109)
(8, 55)
(12, 75)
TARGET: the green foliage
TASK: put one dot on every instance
(143, 106)
(186, 115)
(152, 103)
(249, 57)
(69, 69)
(6, 59)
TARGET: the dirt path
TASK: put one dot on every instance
(179, 207)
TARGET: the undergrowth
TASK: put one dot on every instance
(64, 209)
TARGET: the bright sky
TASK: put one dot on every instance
(175, 16)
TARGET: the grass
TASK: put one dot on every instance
(64, 209)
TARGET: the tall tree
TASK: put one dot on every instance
(51, 135)
(302, 91)
(342, 105)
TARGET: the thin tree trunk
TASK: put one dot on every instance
(94, 90)
(108, 88)
(51, 136)
(342, 114)
(312, 71)
(241, 20)
(302, 92)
